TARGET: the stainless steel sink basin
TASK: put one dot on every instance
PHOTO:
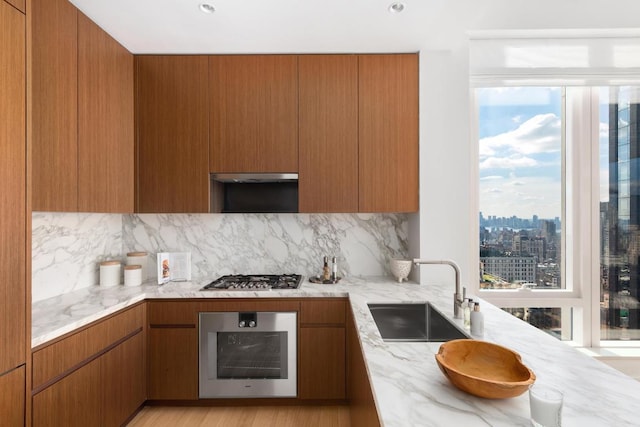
(414, 322)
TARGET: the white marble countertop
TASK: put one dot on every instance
(407, 384)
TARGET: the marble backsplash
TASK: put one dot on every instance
(68, 247)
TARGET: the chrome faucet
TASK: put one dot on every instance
(458, 298)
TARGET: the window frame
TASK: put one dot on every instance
(580, 299)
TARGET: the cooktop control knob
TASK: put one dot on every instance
(242, 324)
(252, 324)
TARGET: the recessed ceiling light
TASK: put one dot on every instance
(207, 8)
(396, 7)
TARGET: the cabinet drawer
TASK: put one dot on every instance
(323, 311)
(55, 359)
(172, 313)
(74, 401)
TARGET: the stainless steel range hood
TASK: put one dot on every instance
(254, 177)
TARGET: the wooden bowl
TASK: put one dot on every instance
(484, 369)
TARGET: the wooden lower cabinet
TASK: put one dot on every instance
(322, 363)
(75, 400)
(92, 377)
(104, 392)
(173, 363)
(362, 405)
(12, 394)
(322, 349)
(123, 375)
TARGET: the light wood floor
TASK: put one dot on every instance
(243, 416)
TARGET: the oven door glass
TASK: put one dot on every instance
(252, 355)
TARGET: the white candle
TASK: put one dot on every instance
(546, 406)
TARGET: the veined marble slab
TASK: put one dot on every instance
(67, 247)
(272, 243)
(408, 387)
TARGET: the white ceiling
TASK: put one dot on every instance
(313, 26)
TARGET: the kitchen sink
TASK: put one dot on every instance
(414, 322)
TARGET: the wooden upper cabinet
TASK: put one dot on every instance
(172, 113)
(388, 131)
(19, 4)
(254, 113)
(328, 126)
(54, 107)
(13, 178)
(105, 126)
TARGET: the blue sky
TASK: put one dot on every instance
(520, 151)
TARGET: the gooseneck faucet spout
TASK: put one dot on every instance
(458, 297)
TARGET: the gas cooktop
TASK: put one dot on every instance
(255, 282)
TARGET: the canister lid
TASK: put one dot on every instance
(133, 267)
(136, 254)
(110, 263)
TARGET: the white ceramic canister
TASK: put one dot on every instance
(109, 273)
(141, 259)
(133, 275)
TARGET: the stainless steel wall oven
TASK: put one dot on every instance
(248, 354)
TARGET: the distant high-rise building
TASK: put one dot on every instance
(621, 265)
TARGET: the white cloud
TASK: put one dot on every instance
(522, 196)
(604, 132)
(539, 134)
(507, 162)
(491, 178)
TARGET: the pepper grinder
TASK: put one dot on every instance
(334, 270)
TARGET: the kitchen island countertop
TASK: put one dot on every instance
(407, 384)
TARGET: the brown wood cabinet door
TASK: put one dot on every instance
(13, 178)
(19, 4)
(328, 126)
(105, 122)
(362, 405)
(123, 381)
(254, 113)
(173, 363)
(172, 113)
(322, 363)
(12, 395)
(54, 110)
(388, 129)
(76, 400)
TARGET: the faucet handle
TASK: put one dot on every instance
(464, 292)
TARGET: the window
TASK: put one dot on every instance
(529, 168)
(521, 187)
